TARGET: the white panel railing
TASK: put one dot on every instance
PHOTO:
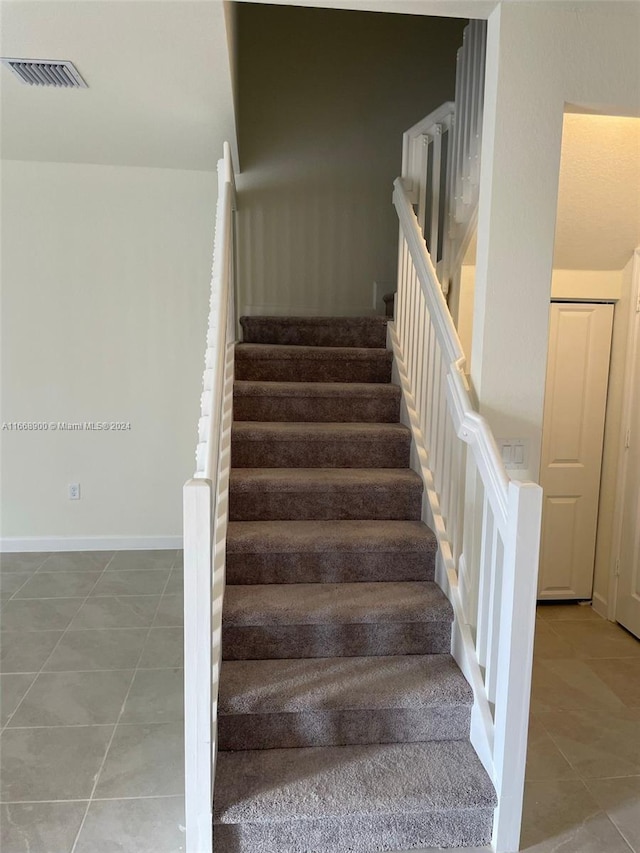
(441, 161)
(487, 526)
(205, 505)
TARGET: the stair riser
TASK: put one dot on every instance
(344, 567)
(302, 369)
(359, 834)
(342, 728)
(390, 452)
(262, 642)
(332, 504)
(335, 334)
(316, 409)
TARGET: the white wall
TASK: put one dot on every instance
(323, 103)
(105, 274)
(540, 57)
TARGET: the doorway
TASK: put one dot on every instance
(572, 445)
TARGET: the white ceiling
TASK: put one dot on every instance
(160, 92)
(598, 224)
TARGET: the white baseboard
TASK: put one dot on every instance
(16, 544)
(600, 605)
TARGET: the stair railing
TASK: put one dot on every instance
(205, 513)
(488, 527)
(441, 161)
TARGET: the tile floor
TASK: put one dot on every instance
(91, 691)
(91, 701)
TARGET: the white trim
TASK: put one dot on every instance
(17, 544)
(633, 341)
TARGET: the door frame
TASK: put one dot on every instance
(633, 344)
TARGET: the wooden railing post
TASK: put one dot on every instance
(198, 546)
(515, 656)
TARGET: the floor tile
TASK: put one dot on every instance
(127, 611)
(566, 684)
(620, 798)
(622, 677)
(152, 825)
(176, 582)
(567, 612)
(544, 759)
(549, 645)
(598, 639)
(76, 561)
(13, 686)
(142, 560)
(170, 612)
(39, 614)
(40, 827)
(564, 816)
(11, 582)
(26, 651)
(144, 761)
(115, 648)
(134, 582)
(59, 585)
(164, 648)
(156, 696)
(179, 563)
(74, 699)
(597, 743)
(51, 764)
(27, 562)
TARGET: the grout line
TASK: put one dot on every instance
(92, 796)
(96, 799)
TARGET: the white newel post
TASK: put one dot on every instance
(517, 627)
(198, 540)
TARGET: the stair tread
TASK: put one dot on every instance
(255, 388)
(369, 683)
(324, 536)
(317, 479)
(337, 603)
(279, 785)
(312, 431)
(293, 352)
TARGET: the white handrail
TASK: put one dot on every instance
(488, 526)
(205, 505)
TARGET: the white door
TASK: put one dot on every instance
(572, 435)
(628, 598)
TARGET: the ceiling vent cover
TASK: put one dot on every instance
(46, 72)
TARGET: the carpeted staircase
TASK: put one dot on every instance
(343, 720)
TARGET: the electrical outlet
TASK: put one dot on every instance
(74, 491)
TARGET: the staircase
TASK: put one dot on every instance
(343, 722)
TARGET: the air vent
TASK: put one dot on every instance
(46, 72)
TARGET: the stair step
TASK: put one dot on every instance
(266, 621)
(313, 445)
(316, 331)
(269, 704)
(352, 799)
(266, 362)
(329, 551)
(326, 402)
(262, 494)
